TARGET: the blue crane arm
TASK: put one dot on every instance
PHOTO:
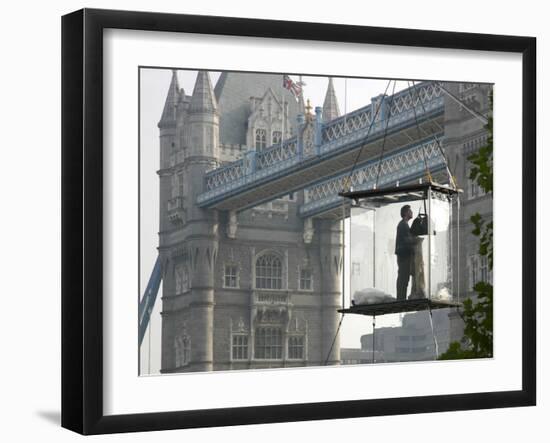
(148, 301)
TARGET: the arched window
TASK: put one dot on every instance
(276, 137)
(261, 139)
(269, 272)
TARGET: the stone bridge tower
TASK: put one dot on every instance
(189, 235)
(252, 289)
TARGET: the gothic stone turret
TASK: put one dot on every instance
(192, 248)
(249, 289)
(330, 105)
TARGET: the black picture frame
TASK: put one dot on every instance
(82, 218)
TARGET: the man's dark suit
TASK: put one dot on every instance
(404, 249)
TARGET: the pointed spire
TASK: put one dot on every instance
(172, 99)
(203, 99)
(301, 104)
(308, 114)
(330, 106)
(182, 97)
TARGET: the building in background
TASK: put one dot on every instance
(353, 356)
(465, 134)
(413, 340)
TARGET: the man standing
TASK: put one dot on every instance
(404, 249)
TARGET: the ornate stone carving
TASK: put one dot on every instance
(271, 308)
(232, 225)
(308, 140)
(239, 326)
(308, 230)
(182, 347)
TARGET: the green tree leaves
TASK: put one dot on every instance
(478, 314)
(482, 160)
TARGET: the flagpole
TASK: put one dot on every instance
(283, 123)
(293, 88)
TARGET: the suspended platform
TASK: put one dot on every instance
(398, 307)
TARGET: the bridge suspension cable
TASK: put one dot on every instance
(476, 114)
(452, 178)
(379, 166)
(347, 181)
(426, 167)
(148, 300)
(334, 340)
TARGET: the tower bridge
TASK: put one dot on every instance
(405, 126)
(247, 285)
(401, 166)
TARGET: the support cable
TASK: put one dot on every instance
(476, 114)
(347, 180)
(436, 346)
(427, 169)
(334, 340)
(149, 349)
(451, 175)
(458, 246)
(373, 329)
(379, 167)
(343, 252)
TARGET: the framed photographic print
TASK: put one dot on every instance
(279, 221)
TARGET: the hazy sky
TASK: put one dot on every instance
(352, 93)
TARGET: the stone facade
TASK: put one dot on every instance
(249, 289)
(465, 134)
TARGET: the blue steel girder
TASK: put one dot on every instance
(261, 177)
(148, 300)
(403, 166)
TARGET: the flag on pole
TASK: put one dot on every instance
(295, 88)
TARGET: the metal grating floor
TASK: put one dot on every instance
(396, 307)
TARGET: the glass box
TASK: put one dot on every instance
(403, 244)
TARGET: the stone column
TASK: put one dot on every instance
(202, 244)
(202, 306)
(331, 255)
